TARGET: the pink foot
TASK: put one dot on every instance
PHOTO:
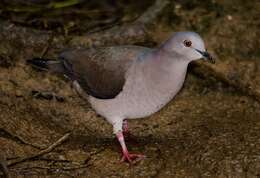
(127, 157)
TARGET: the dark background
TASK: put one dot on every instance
(211, 129)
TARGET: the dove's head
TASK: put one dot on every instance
(189, 45)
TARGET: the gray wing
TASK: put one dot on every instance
(100, 71)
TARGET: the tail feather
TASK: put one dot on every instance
(47, 64)
(39, 63)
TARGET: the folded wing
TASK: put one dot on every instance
(101, 72)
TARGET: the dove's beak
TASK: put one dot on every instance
(206, 55)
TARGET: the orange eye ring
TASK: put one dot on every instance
(187, 43)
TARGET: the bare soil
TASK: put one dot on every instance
(211, 129)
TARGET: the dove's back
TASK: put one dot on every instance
(101, 72)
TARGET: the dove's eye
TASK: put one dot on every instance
(187, 43)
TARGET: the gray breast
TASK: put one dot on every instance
(145, 91)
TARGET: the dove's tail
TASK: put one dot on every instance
(47, 65)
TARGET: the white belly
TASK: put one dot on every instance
(138, 99)
(147, 90)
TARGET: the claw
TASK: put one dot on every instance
(127, 157)
(131, 157)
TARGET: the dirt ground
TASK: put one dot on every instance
(211, 129)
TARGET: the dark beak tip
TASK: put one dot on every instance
(211, 59)
(207, 56)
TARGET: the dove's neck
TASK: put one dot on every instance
(163, 64)
(172, 60)
(164, 73)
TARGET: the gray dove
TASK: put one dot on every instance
(128, 82)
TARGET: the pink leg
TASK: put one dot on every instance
(125, 127)
(126, 132)
(126, 155)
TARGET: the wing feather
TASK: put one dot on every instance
(101, 72)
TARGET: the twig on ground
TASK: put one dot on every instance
(137, 31)
(3, 166)
(224, 74)
(66, 168)
(46, 48)
(17, 138)
(42, 152)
